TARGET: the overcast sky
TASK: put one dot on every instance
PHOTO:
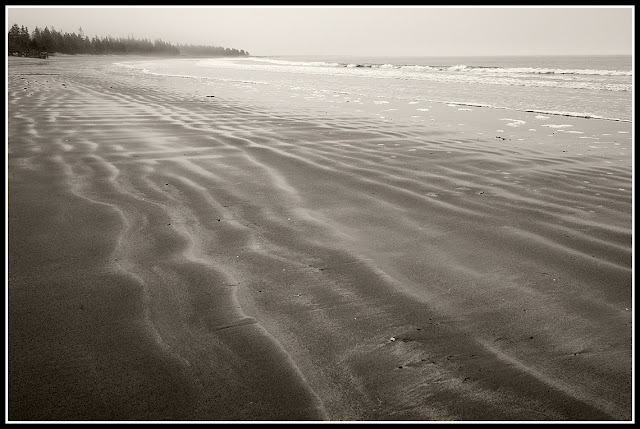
(365, 31)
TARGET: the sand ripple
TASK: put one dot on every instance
(174, 256)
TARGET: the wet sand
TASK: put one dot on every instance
(177, 256)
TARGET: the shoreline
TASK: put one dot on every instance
(178, 257)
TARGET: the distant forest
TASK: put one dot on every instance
(41, 43)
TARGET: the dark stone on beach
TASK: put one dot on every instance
(210, 96)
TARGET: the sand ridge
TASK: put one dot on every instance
(181, 257)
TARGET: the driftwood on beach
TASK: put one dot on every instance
(31, 54)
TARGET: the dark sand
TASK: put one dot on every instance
(180, 257)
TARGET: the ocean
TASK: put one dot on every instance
(598, 87)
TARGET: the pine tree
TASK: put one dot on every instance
(14, 39)
(47, 40)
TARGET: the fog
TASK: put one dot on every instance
(383, 31)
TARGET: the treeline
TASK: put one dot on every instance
(213, 51)
(23, 43)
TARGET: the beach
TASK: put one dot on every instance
(178, 252)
